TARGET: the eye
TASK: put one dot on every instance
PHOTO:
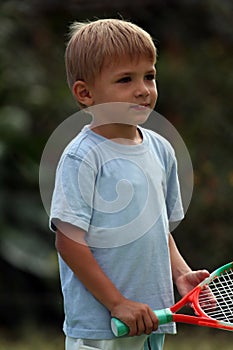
(124, 80)
(150, 77)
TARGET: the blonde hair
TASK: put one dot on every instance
(92, 44)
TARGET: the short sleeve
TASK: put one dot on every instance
(73, 193)
(173, 196)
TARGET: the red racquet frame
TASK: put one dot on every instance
(201, 319)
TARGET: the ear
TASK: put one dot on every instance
(82, 93)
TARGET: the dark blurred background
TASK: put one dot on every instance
(195, 82)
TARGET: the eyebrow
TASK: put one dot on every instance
(123, 73)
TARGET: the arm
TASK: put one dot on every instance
(184, 278)
(78, 256)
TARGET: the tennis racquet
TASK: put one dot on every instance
(211, 300)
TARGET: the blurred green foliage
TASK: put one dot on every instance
(195, 81)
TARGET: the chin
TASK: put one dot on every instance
(139, 116)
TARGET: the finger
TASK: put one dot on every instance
(132, 328)
(207, 298)
(150, 322)
(202, 274)
(149, 327)
(141, 326)
(154, 319)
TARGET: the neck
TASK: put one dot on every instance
(120, 133)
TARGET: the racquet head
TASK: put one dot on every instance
(212, 301)
(215, 299)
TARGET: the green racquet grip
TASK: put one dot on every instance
(164, 316)
(120, 328)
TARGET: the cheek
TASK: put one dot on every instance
(155, 92)
(154, 96)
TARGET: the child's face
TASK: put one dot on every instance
(126, 81)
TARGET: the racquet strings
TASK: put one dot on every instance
(216, 298)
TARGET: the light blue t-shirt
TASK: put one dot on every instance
(123, 196)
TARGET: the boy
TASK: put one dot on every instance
(116, 259)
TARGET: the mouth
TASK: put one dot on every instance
(140, 107)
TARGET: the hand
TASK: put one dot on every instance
(139, 317)
(185, 283)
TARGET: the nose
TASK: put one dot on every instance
(142, 89)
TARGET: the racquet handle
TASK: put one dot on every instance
(119, 328)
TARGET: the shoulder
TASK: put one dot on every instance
(79, 152)
(158, 143)
(83, 147)
(79, 145)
